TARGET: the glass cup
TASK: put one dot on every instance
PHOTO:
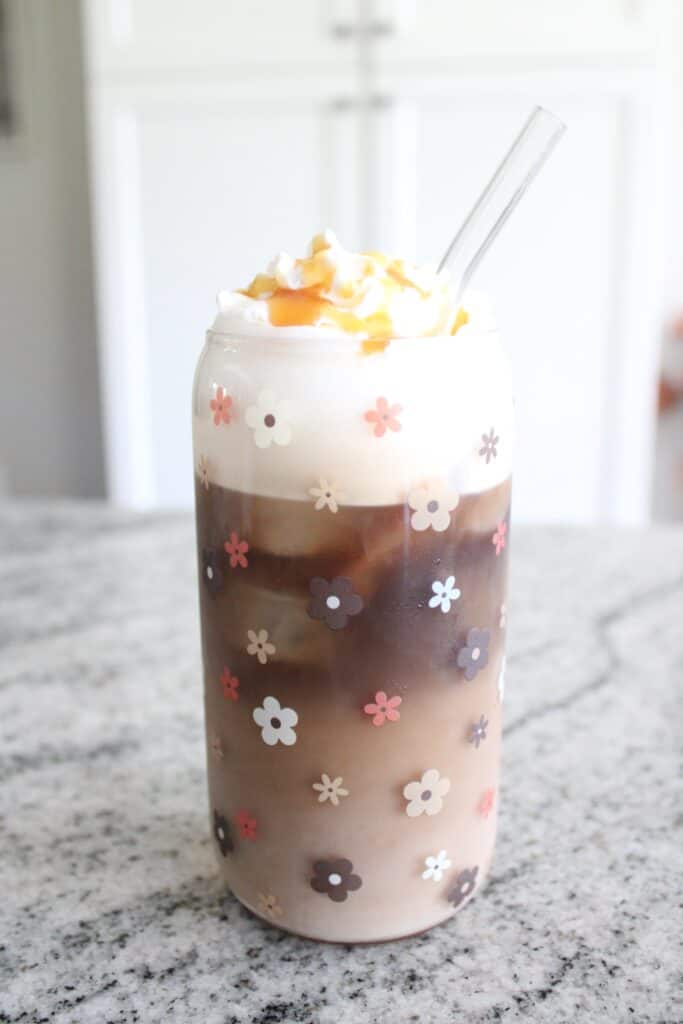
(352, 530)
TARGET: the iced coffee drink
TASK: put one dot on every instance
(352, 438)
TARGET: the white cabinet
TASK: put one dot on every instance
(223, 131)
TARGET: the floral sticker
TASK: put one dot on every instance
(383, 708)
(435, 866)
(203, 470)
(444, 594)
(464, 886)
(335, 878)
(474, 655)
(426, 796)
(217, 747)
(477, 732)
(269, 419)
(221, 831)
(212, 571)
(488, 448)
(485, 805)
(221, 407)
(384, 417)
(334, 601)
(327, 495)
(230, 684)
(237, 549)
(432, 505)
(246, 825)
(276, 723)
(330, 789)
(501, 680)
(498, 539)
(269, 905)
(260, 645)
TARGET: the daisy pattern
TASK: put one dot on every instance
(426, 796)
(330, 789)
(237, 549)
(477, 731)
(259, 645)
(230, 684)
(444, 594)
(383, 708)
(246, 825)
(432, 505)
(276, 723)
(435, 866)
(269, 905)
(384, 417)
(221, 407)
(501, 680)
(327, 495)
(217, 747)
(203, 469)
(485, 805)
(498, 539)
(269, 419)
(488, 449)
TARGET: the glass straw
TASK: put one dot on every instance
(530, 150)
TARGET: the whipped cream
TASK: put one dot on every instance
(366, 295)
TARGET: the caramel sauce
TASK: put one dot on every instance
(306, 306)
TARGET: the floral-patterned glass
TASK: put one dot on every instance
(352, 531)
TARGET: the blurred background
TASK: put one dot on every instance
(155, 151)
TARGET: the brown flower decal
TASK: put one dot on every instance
(464, 886)
(222, 834)
(335, 878)
(475, 654)
(333, 602)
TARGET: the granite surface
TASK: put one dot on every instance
(110, 907)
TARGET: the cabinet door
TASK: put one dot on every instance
(572, 275)
(195, 184)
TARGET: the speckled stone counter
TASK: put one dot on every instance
(111, 910)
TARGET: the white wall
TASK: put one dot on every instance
(50, 443)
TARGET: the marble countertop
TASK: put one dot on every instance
(111, 910)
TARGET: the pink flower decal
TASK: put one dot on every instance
(237, 549)
(384, 416)
(498, 539)
(383, 708)
(485, 805)
(246, 825)
(221, 407)
(230, 684)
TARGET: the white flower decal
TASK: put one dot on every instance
(269, 419)
(444, 593)
(432, 505)
(328, 495)
(330, 789)
(259, 645)
(276, 723)
(501, 681)
(426, 796)
(203, 470)
(435, 866)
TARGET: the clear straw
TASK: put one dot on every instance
(528, 153)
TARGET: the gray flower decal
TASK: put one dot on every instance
(464, 886)
(335, 878)
(478, 731)
(221, 831)
(212, 571)
(333, 602)
(475, 654)
(488, 448)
